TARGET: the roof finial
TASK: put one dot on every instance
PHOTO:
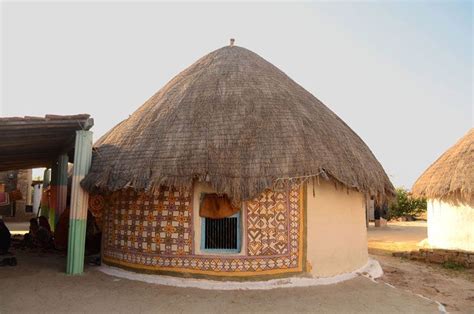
(232, 40)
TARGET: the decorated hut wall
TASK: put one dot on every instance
(312, 227)
(162, 231)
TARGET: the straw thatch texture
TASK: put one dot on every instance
(31, 142)
(237, 121)
(451, 177)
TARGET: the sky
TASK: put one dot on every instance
(400, 74)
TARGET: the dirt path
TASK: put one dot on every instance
(39, 284)
(453, 288)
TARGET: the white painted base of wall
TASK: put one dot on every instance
(371, 270)
(450, 226)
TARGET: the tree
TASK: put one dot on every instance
(406, 204)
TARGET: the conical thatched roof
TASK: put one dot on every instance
(452, 175)
(236, 121)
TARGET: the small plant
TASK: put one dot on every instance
(452, 265)
(406, 204)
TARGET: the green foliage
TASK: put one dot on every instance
(406, 204)
(453, 266)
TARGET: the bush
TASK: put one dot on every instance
(406, 205)
(452, 265)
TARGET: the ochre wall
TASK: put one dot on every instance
(336, 231)
(451, 226)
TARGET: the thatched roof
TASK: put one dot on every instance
(30, 142)
(452, 175)
(238, 122)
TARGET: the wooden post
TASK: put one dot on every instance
(53, 195)
(44, 196)
(79, 203)
(61, 185)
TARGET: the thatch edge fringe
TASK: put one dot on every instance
(231, 186)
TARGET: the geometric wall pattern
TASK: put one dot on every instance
(268, 227)
(154, 232)
(159, 223)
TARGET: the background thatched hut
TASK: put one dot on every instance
(232, 123)
(449, 186)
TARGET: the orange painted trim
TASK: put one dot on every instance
(204, 272)
(301, 239)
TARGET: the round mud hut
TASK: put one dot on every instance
(448, 184)
(233, 169)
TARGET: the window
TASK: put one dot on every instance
(221, 235)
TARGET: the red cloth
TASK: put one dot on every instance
(16, 195)
(62, 231)
(4, 199)
(216, 206)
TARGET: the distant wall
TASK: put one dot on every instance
(451, 226)
(336, 230)
(9, 179)
(21, 180)
(24, 180)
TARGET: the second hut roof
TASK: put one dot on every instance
(451, 176)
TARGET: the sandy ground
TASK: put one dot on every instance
(18, 227)
(453, 288)
(38, 283)
(397, 236)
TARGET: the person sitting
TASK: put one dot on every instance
(93, 235)
(5, 238)
(44, 235)
(29, 239)
(5, 242)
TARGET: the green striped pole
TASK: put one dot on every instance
(79, 203)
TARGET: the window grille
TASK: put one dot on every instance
(221, 234)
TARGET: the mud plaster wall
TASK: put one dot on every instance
(160, 232)
(336, 231)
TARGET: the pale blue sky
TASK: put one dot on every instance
(399, 73)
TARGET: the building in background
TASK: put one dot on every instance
(448, 184)
(16, 200)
